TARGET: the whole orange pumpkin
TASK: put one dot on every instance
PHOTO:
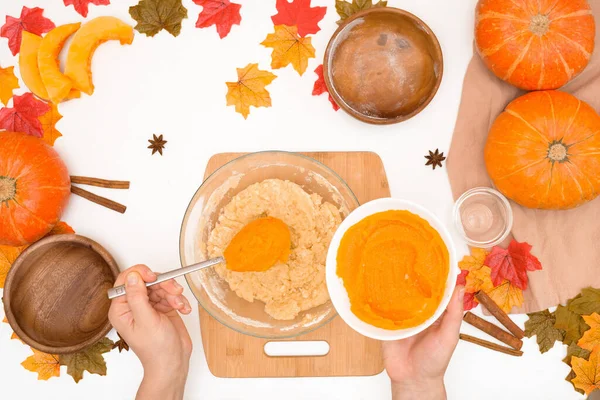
(535, 45)
(543, 151)
(34, 188)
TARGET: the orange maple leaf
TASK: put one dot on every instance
(473, 261)
(8, 83)
(48, 122)
(479, 279)
(249, 90)
(506, 295)
(9, 254)
(289, 48)
(591, 337)
(587, 372)
(46, 365)
(478, 275)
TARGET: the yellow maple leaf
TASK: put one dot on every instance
(474, 261)
(587, 372)
(48, 122)
(479, 279)
(249, 90)
(8, 83)
(506, 295)
(591, 337)
(289, 48)
(46, 365)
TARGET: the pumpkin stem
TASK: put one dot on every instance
(8, 188)
(539, 24)
(558, 152)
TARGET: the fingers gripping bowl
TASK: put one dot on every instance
(215, 198)
(339, 283)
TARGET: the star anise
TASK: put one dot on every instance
(121, 344)
(157, 144)
(435, 159)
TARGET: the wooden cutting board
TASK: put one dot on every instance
(234, 355)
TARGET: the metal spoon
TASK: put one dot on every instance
(120, 290)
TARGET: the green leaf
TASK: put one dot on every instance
(573, 324)
(152, 16)
(89, 359)
(345, 9)
(587, 303)
(575, 351)
(541, 324)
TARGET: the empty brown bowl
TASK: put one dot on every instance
(55, 293)
(383, 65)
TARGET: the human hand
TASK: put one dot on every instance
(148, 319)
(416, 365)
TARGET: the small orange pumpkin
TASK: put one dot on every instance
(543, 151)
(34, 188)
(535, 45)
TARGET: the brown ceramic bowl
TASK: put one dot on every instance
(55, 293)
(383, 65)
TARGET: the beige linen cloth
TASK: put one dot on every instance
(566, 242)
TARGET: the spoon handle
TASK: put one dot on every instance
(120, 290)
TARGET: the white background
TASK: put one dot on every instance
(176, 87)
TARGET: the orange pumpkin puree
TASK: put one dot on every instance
(394, 266)
(259, 245)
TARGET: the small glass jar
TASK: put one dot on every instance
(483, 216)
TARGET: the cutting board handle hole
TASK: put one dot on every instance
(297, 348)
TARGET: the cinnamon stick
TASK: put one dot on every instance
(490, 345)
(499, 314)
(493, 330)
(105, 183)
(94, 198)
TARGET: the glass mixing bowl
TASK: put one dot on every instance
(213, 293)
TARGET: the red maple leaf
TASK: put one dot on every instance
(512, 264)
(461, 280)
(469, 301)
(81, 6)
(221, 13)
(31, 20)
(23, 116)
(320, 87)
(300, 14)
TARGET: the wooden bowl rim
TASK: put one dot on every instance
(66, 238)
(383, 121)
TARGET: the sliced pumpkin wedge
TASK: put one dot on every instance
(86, 40)
(28, 64)
(57, 84)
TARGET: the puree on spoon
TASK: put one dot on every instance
(394, 266)
(259, 245)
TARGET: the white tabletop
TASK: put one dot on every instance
(176, 87)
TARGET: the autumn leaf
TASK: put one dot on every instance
(479, 279)
(61, 228)
(469, 301)
(587, 372)
(81, 6)
(221, 13)
(46, 365)
(591, 337)
(461, 279)
(346, 9)
(48, 121)
(506, 296)
(31, 20)
(512, 264)
(23, 116)
(289, 48)
(320, 87)
(541, 324)
(121, 344)
(8, 83)
(587, 303)
(15, 337)
(573, 324)
(474, 283)
(575, 351)
(89, 359)
(299, 13)
(249, 90)
(474, 261)
(152, 16)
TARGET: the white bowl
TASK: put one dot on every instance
(335, 285)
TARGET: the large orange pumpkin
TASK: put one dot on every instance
(535, 44)
(34, 188)
(543, 151)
